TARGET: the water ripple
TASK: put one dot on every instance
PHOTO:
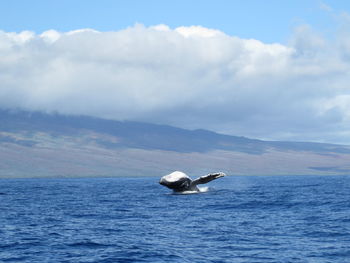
(240, 219)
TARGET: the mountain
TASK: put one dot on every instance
(35, 144)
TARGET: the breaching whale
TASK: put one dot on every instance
(181, 182)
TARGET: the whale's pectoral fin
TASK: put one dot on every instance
(207, 178)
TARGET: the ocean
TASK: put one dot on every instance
(239, 219)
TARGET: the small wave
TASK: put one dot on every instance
(87, 244)
(325, 234)
(14, 259)
(5, 246)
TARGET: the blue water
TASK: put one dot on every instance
(241, 219)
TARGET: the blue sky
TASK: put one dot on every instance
(268, 21)
(276, 70)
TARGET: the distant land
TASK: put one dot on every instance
(35, 144)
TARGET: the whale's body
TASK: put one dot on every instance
(181, 182)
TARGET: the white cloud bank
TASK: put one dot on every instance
(191, 77)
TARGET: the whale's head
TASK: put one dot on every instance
(177, 181)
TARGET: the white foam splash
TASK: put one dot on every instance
(201, 190)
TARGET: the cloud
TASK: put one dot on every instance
(325, 7)
(192, 77)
